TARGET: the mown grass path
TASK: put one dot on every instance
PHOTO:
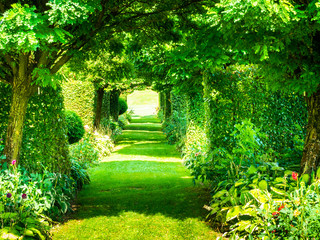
(142, 191)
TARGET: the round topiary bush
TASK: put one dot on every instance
(75, 127)
(123, 106)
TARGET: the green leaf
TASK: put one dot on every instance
(258, 195)
(318, 173)
(252, 170)
(305, 177)
(220, 194)
(263, 185)
(239, 182)
(233, 213)
(278, 191)
(243, 225)
(28, 232)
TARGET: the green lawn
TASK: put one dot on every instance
(142, 191)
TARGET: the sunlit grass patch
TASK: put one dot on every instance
(134, 226)
(141, 192)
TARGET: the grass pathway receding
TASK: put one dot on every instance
(142, 191)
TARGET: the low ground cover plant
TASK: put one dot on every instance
(31, 202)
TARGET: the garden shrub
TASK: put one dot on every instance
(74, 126)
(84, 151)
(253, 185)
(79, 174)
(111, 128)
(175, 126)
(103, 144)
(123, 106)
(28, 201)
(288, 208)
(79, 97)
(44, 123)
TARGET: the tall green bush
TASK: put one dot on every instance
(74, 126)
(44, 143)
(123, 106)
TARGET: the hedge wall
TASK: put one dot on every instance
(79, 97)
(234, 94)
(44, 143)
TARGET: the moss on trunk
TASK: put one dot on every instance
(311, 153)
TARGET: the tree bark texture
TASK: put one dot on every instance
(114, 104)
(311, 153)
(22, 90)
(98, 110)
(168, 109)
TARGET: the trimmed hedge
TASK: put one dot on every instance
(123, 106)
(44, 143)
(79, 97)
(74, 126)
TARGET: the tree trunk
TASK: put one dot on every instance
(167, 110)
(22, 90)
(106, 105)
(161, 101)
(311, 152)
(98, 110)
(114, 104)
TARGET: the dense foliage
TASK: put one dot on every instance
(44, 145)
(79, 97)
(123, 106)
(30, 200)
(75, 127)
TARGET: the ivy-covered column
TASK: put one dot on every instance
(114, 104)
(98, 107)
(106, 105)
(167, 109)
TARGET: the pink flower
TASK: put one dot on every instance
(295, 176)
(14, 162)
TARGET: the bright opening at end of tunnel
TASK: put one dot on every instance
(143, 102)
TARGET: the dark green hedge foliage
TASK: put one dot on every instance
(44, 143)
(74, 126)
(237, 93)
(123, 106)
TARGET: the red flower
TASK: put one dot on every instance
(273, 231)
(275, 214)
(281, 207)
(295, 176)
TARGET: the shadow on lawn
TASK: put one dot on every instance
(144, 188)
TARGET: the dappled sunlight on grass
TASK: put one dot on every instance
(142, 191)
(132, 225)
